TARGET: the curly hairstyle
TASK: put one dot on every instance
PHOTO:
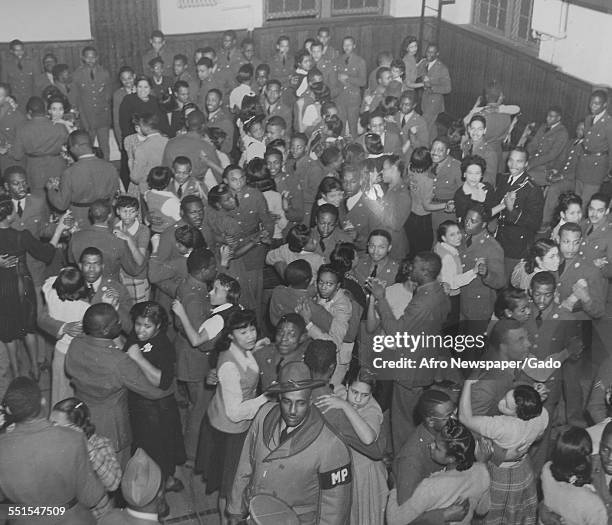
(539, 248)
(152, 311)
(571, 457)
(77, 413)
(460, 444)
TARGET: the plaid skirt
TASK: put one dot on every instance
(514, 499)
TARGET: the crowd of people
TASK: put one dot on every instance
(203, 258)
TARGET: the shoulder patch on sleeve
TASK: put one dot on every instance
(333, 478)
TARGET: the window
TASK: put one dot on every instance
(510, 19)
(285, 9)
(281, 9)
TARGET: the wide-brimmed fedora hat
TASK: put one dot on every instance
(293, 377)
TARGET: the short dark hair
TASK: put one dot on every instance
(543, 279)
(295, 319)
(14, 43)
(155, 60)
(460, 444)
(570, 227)
(277, 120)
(380, 233)
(599, 93)
(190, 199)
(298, 273)
(205, 61)
(297, 237)
(508, 299)
(99, 211)
(215, 194)
(231, 285)
(501, 329)
(443, 228)
(36, 106)
(478, 118)
(320, 355)
(159, 177)
(328, 208)
(189, 237)
(199, 259)
(152, 311)
(429, 400)
(181, 160)
(181, 57)
(70, 284)
(342, 256)
(528, 402)
(571, 456)
(156, 33)
(329, 268)
(87, 49)
(433, 263)
(89, 251)
(22, 400)
(602, 197)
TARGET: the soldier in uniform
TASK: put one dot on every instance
(281, 64)
(87, 180)
(290, 452)
(209, 78)
(218, 117)
(477, 145)
(229, 55)
(352, 76)
(159, 48)
(328, 233)
(11, 118)
(181, 72)
(193, 363)
(522, 214)
(40, 143)
(360, 210)
(595, 160)
(247, 55)
(563, 178)
(478, 297)
(377, 262)
(547, 146)
(327, 66)
(93, 85)
(273, 104)
(45, 78)
(436, 84)
(413, 128)
(19, 72)
(447, 179)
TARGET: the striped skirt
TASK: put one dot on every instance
(514, 499)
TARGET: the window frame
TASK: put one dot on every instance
(324, 10)
(511, 26)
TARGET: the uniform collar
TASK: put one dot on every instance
(147, 516)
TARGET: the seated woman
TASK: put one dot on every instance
(462, 479)
(473, 189)
(543, 256)
(566, 481)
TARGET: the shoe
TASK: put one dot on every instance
(176, 486)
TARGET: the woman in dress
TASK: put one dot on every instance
(449, 239)
(140, 103)
(17, 293)
(365, 416)
(67, 301)
(156, 424)
(473, 189)
(409, 52)
(330, 192)
(232, 408)
(566, 481)
(543, 256)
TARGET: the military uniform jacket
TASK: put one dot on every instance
(40, 143)
(547, 146)
(278, 109)
(102, 374)
(87, 180)
(596, 158)
(363, 218)
(20, 80)
(309, 172)
(165, 53)
(223, 120)
(582, 268)
(447, 179)
(414, 120)
(35, 219)
(597, 243)
(355, 67)
(329, 67)
(386, 270)
(569, 159)
(311, 470)
(478, 297)
(432, 100)
(281, 67)
(10, 120)
(93, 96)
(517, 228)
(190, 145)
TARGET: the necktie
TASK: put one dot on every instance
(228, 56)
(434, 170)
(67, 89)
(179, 192)
(283, 436)
(346, 61)
(403, 121)
(539, 319)
(374, 271)
(91, 74)
(547, 129)
(284, 60)
(561, 268)
(90, 291)
(590, 230)
(322, 245)
(19, 209)
(468, 241)
(19, 65)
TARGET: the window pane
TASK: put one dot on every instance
(309, 4)
(275, 6)
(340, 4)
(502, 20)
(371, 3)
(503, 4)
(483, 13)
(526, 8)
(292, 5)
(493, 17)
